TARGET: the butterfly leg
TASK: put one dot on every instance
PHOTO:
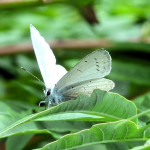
(56, 101)
(49, 103)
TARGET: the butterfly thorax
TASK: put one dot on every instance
(53, 97)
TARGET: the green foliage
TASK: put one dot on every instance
(119, 115)
(102, 133)
(107, 120)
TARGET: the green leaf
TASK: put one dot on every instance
(12, 142)
(102, 106)
(143, 103)
(146, 146)
(9, 120)
(101, 133)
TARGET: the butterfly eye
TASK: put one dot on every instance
(48, 92)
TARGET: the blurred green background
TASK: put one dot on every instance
(121, 27)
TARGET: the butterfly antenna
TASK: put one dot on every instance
(32, 75)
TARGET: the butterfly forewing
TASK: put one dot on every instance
(51, 72)
(93, 66)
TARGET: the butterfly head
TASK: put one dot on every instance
(46, 101)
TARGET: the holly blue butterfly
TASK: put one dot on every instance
(83, 78)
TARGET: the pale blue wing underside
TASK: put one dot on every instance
(51, 72)
(94, 66)
(87, 87)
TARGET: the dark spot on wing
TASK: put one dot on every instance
(97, 65)
(95, 58)
(97, 62)
(79, 70)
(85, 60)
(97, 69)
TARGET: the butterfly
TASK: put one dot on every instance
(83, 78)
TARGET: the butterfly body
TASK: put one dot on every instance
(53, 97)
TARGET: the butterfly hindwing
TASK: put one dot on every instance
(87, 87)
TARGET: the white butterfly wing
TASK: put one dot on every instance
(87, 87)
(94, 66)
(51, 72)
